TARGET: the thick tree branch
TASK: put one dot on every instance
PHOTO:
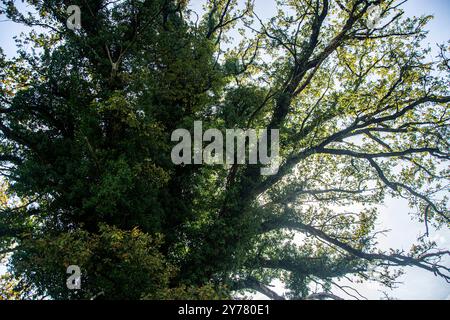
(424, 261)
(253, 284)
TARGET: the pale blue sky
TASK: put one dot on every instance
(417, 284)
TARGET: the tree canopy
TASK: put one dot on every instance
(86, 118)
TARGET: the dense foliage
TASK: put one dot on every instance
(86, 118)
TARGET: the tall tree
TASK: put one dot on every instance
(86, 118)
